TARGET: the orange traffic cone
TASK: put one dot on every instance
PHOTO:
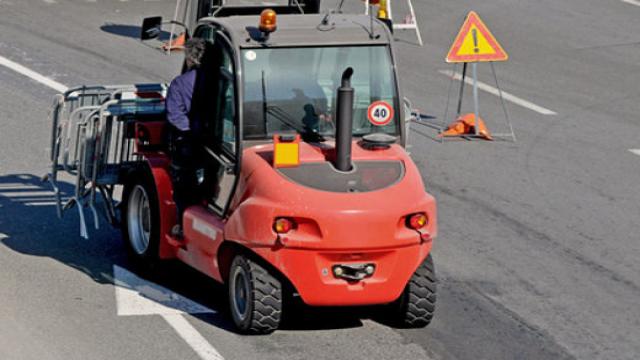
(465, 125)
(175, 44)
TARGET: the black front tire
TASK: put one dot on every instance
(255, 297)
(416, 305)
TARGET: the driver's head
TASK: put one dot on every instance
(193, 52)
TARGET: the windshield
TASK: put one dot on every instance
(293, 90)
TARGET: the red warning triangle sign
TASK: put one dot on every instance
(475, 43)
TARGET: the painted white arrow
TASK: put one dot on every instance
(136, 296)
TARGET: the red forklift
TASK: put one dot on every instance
(328, 208)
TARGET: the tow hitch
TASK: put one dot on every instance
(353, 272)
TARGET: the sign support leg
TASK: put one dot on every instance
(504, 106)
(476, 110)
(445, 117)
(464, 75)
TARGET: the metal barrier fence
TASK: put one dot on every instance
(92, 140)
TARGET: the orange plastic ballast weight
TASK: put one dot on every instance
(465, 125)
(175, 44)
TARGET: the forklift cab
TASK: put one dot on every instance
(260, 89)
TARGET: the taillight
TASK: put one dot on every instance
(283, 225)
(417, 221)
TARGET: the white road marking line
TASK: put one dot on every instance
(632, 2)
(493, 91)
(32, 74)
(192, 337)
(49, 203)
(635, 151)
(22, 194)
(14, 187)
(136, 296)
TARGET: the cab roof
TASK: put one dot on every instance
(305, 30)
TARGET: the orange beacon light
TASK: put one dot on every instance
(268, 23)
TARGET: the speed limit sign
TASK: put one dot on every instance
(380, 113)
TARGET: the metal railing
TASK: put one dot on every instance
(92, 141)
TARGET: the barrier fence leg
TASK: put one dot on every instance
(415, 22)
(173, 27)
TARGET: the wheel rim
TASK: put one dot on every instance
(240, 293)
(139, 220)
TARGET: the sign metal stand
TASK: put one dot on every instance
(474, 44)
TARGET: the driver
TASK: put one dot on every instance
(185, 123)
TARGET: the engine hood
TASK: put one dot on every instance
(365, 208)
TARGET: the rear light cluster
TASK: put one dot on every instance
(283, 225)
(417, 221)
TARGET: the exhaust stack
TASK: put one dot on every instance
(344, 123)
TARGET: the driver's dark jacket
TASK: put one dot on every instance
(179, 100)
(184, 139)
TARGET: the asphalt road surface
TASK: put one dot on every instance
(539, 240)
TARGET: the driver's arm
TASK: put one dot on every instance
(178, 104)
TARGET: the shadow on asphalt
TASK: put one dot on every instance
(131, 31)
(29, 222)
(468, 322)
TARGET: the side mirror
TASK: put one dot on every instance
(409, 114)
(408, 118)
(151, 28)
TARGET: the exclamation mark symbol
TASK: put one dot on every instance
(474, 32)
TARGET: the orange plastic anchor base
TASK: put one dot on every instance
(175, 44)
(465, 125)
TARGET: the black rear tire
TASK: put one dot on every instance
(416, 305)
(255, 297)
(140, 220)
